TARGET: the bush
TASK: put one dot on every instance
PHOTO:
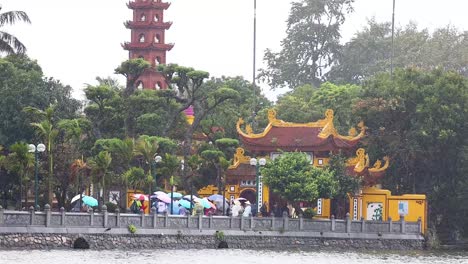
(309, 213)
(132, 229)
(111, 207)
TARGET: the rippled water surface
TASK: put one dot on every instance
(229, 256)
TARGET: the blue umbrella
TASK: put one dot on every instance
(175, 207)
(205, 203)
(175, 195)
(185, 203)
(89, 201)
(216, 197)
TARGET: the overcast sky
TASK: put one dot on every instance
(75, 41)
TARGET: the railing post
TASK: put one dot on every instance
(390, 224)
(189, 220)
(142, 217)
(2, 221)
(231, 221)
(252, 222)
(32, 215)
(200, 222)
(210, 222)
(155, 217)
(363, 225)
(47, 215)
(166, 219)
(91, 216)
(62, 219)
(403, 224)
(419, 224)
(242, 222)
(348, 223)
(117, 217)
(273, 222)
(285, 222)
(301, 222)
(105, 215)
(333, 223)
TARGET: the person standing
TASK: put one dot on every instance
(182, 210)
(236, 208)
(264, 209)
(247, 210)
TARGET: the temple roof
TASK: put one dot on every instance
(158, 4)
(357, 166)
(147, 24)
(313, 136)
(147, 45)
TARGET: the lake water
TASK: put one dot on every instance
(228, 256)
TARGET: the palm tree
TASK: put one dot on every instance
(99, 167)
(9, 43)
(78, 169)
(20, 162)
(145, 148)
(49, 133)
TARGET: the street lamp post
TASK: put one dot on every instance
(33, 149)
(156, 160)
(258, 185)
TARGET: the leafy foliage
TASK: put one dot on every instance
(311, 45)
(293, 178)
(9, 43)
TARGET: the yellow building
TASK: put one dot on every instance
(318, 140)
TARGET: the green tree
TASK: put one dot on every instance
(222, 122)
(369, 51)
(347, 184)
(19, 162)
(293, 178)
(189, 89)
(23, 84)
(419, 121)
(99, 168)
(9, 43)
(136, 178)
(47, 131)
(105, 111)
(311, 46)
(132, 70)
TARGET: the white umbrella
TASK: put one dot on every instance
(188, 197)
(76, 198)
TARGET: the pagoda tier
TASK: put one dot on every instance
(148, 4)
(359, 166)
(147, 24)
(314, 136)
(148, 40)
(147, 46)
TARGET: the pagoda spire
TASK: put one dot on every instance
(148, 42)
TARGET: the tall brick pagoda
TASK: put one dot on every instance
(148, 39)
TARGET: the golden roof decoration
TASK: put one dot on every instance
(377, 166)
(361, 161)
(239, 158)
(328, 128)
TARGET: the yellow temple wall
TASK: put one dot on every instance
(374, 203)
(417, 208)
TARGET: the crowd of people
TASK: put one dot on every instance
(237, 207)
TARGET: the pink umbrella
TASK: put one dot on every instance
(163, 197)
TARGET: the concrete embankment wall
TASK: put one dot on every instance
(43, 230)
(195, 239)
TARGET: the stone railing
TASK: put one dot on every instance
(47, 218)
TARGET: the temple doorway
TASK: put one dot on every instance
(249, 195)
